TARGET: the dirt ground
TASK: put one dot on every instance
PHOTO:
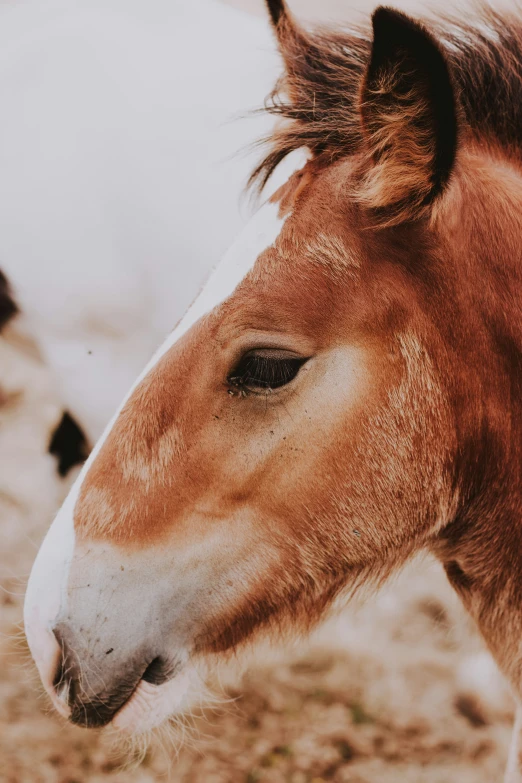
(398, 690)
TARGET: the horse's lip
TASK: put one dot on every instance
(150, 704)
(158, 672)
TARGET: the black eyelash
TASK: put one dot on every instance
(256, 372)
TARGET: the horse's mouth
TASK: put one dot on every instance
(150, 705)
(138, 699)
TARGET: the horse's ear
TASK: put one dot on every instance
(277, 9)
(288, 33)
(295, 47)
(409, 119)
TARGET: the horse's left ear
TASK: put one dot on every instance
(409, 118)
(277, 10)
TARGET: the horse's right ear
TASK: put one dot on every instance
(409, 119)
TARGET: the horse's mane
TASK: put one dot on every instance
(317, 98)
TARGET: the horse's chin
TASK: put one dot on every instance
(152, 705)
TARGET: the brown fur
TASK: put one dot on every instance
(402, 432)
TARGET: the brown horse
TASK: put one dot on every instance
(345, 392)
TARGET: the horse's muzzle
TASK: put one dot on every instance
(102, 628)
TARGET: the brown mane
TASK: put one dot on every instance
(318, 97)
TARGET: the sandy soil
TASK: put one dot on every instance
(398, 691)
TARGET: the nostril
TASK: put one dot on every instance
(65, 690)
(63, 683)
(58, 675)
(60, 664)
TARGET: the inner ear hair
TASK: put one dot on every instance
(409, 118)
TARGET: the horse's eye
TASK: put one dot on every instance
(266, 369)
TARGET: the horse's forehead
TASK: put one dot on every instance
(308, 236)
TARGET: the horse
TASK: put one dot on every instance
(345, 392)
(116, 137)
